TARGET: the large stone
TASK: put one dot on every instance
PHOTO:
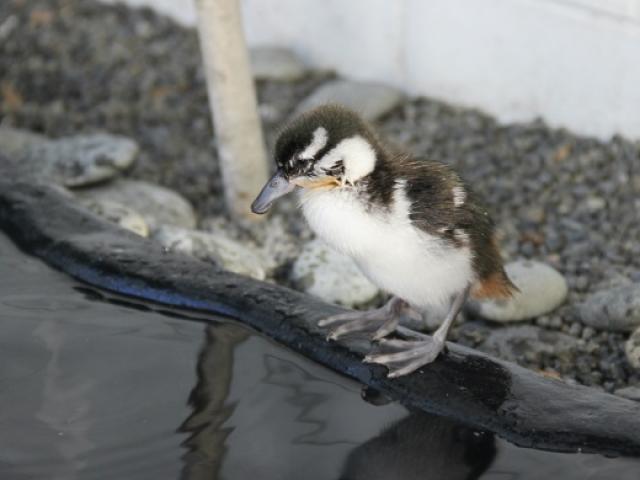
(632, 393)
(73, 161)
(214, 247)
(157, 205)
(370, 100)
(616, 308)
(275, 63)
(542, 289)
(331, 275)
(120, 215)
(632, 349)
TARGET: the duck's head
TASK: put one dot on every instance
(325, 148)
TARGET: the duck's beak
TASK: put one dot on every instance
(275, 188)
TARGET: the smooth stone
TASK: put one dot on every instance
(615, 309)
(632, 393)
(157, 205)
(527, 342)
(370, 100)
(16, 142)
(632, 349)
(276, 63)
(331, 276)
(542, 290)
(213, 247)
(120, 215)
(74, 161)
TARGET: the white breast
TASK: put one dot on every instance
(391, 252)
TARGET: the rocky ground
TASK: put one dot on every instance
(111, 103)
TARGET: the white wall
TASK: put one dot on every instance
(576, 63)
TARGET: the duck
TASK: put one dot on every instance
(411, 224)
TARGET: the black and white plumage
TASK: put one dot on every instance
(412, 226)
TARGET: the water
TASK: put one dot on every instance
(96, 387)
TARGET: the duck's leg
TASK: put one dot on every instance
(405, 356)
(374, 324)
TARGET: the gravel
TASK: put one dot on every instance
(71, 67)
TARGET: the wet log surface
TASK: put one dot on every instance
(462, 384)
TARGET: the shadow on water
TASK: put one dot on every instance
(422, 446)
(97, 386)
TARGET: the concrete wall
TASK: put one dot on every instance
(576, 63)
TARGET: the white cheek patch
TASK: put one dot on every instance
(318, 142)
(357, 155)
(459, 196)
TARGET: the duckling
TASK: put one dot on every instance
(410, 224)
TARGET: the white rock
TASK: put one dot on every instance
(370, 100)
(215, 247)
(632, 349)
(332, 276)
(120, 215)
(275, 63)
(157, 205)
(542, 289)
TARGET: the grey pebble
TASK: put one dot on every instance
(371, 100)
(276, 63)
(72, 161)
(614, 309)
(514, 343)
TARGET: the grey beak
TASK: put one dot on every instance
(275, 188)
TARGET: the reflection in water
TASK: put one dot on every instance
(418, 446)
(207, 435)
(422, 447)
(303, 395)
(65, 405)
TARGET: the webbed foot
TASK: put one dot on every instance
(405, 356)
(416, 349)
(373, 324)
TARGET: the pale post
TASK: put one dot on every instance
(232, 98)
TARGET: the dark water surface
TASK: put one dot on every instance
(94, 387)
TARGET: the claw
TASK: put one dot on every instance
(341, 317)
